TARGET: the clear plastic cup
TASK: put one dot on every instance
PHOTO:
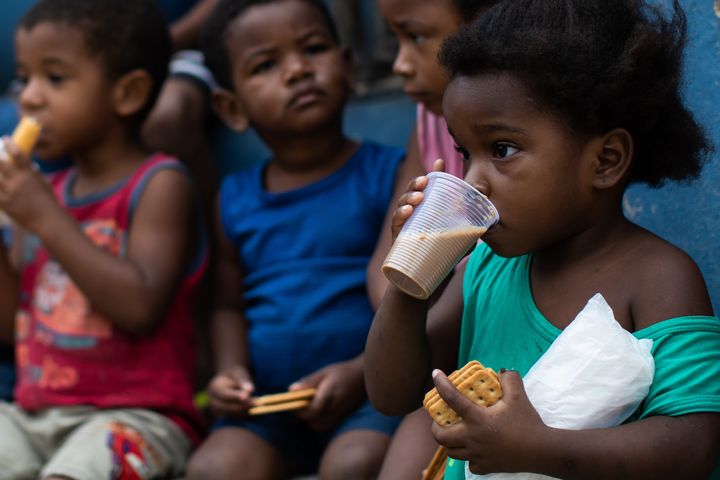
(448, 222)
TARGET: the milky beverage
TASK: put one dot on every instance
(419, 261)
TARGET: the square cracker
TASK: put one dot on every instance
(482, 387)
(455, 378)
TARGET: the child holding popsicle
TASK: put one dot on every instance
(99, 290)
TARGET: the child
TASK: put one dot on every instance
(110, 259)
(420, 27)
(296, 233)
(558, 105)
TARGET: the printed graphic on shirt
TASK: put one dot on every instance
(62, 312)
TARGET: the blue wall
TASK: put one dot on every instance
(689, 215)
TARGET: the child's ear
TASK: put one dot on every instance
(613, 158)
(230, 110)
(131, 92)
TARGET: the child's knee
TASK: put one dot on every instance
(359, 458)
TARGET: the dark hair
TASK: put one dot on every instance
(215, 34)
(469, 9)
(125, 35)
(598, 65)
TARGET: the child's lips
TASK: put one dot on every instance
(305, 97)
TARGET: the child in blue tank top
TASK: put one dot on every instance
(557, 106)
(297, 234)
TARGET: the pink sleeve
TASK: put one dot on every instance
(435, 142)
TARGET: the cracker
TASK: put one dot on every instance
(436, 467)
(480, 385)
(278, 407)
(305, 393)
(455, 378)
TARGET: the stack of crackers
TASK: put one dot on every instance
(282, 402)
(476, 382)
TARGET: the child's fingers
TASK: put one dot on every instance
(17, 157)
(455, 400)
(512, 386)
(438, 165)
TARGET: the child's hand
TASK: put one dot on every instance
(412, 198)
(24, 194)
(501, 438)
(340, 390)
(230, 390)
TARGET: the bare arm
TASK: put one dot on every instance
(228, 328)
(185, 31)
(409, 169)
(9, 296)
(399, 352)
(133, 290)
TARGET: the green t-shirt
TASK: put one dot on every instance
(502, 328)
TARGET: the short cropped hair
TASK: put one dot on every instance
(214, 34)
(124, 35)
(597, 65)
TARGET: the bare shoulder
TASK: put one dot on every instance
(667, 281)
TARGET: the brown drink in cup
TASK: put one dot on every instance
(447, 223)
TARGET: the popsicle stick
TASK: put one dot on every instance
(279, 407)
(305, 393)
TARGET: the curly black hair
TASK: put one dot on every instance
(469, 9)
(598, 65)
(126, 35)
(214, 34)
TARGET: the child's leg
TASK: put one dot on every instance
(19, 460)
(411, 449)
(232, 452)
(358, 445)
(357, 454)
(133, 442)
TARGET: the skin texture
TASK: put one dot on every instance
(559, 196)
(290, 82)
(83, 114)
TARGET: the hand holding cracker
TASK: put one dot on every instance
(339, 391)
(230, 390)
(492, 439)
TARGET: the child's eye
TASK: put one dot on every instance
(503, 150)
(462, 151)
(317, 48)
(55, 79)
(22, 80)
(417, 38)
(262, 67)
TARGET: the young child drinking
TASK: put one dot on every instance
(297, 233)
(110, 255)
(556, 106)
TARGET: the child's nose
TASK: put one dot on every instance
(296, 66)
(476, 175)
(30, 97)
(402, 66)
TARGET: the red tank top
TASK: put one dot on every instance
(67, 354)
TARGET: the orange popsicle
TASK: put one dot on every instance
(26, 134)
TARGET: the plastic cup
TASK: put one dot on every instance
(448, 222)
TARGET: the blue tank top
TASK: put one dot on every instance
(304, 254)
